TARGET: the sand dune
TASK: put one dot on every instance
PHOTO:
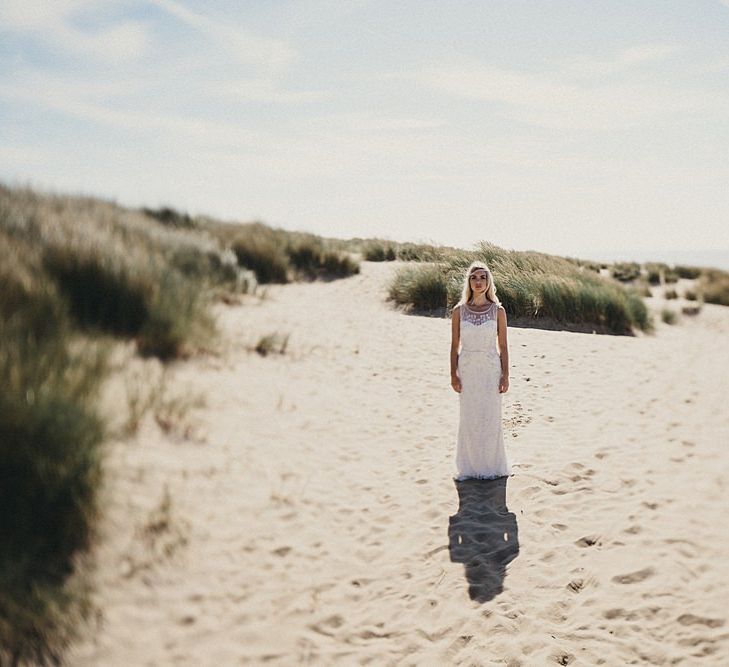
(312, 518)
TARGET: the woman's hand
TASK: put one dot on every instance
(456, 383)
(504, 384)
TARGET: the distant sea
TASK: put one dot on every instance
(718, 259)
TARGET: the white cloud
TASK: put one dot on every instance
(553, 100)
(267, 91)
(622, 61)
(51, 22)
(58, 98)
(35, 14)
(242, 44)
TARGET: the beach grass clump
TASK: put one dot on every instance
(659, 273)
(530, 285)
(305, 254)
(690, 272)
(691, 311)
(625, 271)
(264, 256)
(379, 251)
(311, 257)
(670, 294)
(587, 263)
(103, 291)
(178, 316)
(713, 285)
(50, 434)
(423, 287)
(138, 298)
(274, 343)
(208, 264)
(424, 252)
(669, 316)
(690, 295)
(169, 216)
(121, 272)
(279, 256)
(338, 265)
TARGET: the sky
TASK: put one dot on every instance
(583, 128)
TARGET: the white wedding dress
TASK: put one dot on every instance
(480, 451)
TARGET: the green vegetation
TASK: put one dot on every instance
(691, 310)
(690, 272)
(625, 271)
(78, 274)
(713, 285)
(278, 256)
(669, 316)
(50, 433)
(587, 264)
(424, 287)
(169, 216)
(670, 294)
(274, 343)
(263, 256)
(379, 250)
(530, 285)
(659, 273)
(376, 251)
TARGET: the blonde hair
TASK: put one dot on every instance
(467, 292)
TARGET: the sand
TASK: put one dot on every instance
(311, 516)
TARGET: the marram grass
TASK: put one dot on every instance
(530, 285)
(75, 274)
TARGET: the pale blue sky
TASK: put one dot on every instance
(573, 127)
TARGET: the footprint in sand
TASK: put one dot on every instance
(588, 541)
(634, 577)
(327, 625)
(576, 585)
(691, 619)
(456, 646)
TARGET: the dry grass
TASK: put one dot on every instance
(274, 343)
(531, 286)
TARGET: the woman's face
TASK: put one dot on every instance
(479, 280)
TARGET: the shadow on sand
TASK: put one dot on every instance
(483, 535)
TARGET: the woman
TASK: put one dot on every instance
(480, 375)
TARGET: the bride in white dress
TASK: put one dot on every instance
(480, 375)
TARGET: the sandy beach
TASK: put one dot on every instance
(305, 512)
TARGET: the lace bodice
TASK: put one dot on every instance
(478, 329)
(477, 316)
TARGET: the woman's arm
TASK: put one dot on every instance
(503, 350)
(455, 339)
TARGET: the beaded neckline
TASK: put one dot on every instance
(479, 312)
